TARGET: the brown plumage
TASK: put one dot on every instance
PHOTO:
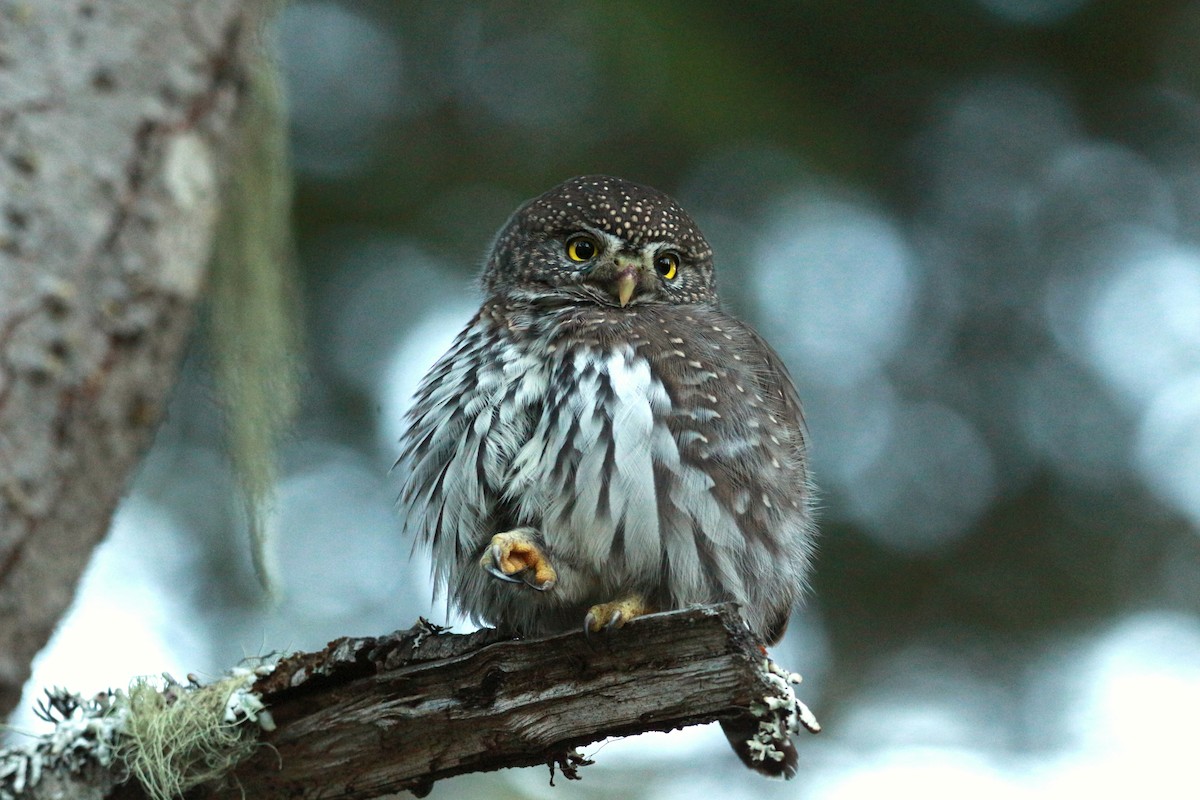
(602, 440)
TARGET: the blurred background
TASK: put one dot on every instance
(969, 226)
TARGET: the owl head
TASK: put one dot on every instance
(596, 239)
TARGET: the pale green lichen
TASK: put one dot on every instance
(180, 737)
(169, 736)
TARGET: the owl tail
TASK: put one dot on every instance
(772, 756)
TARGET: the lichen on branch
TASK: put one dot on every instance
(170, 736)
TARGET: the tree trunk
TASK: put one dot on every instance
(114, 120)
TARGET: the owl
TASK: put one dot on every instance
(602, 440)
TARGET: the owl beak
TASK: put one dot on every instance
(629, 275)
(627, 281)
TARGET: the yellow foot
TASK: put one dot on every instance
(514, 556)
(606, 616)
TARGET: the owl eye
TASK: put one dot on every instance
(667, 265)
(581, 247)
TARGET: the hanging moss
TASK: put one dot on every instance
(254, 304)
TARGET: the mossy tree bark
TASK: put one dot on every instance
(115, 120)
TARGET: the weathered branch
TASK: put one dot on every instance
(373, 716)
(370, 717)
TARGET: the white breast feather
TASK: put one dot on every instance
(522, 445)
(632, 492)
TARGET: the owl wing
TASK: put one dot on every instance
(775, 377)
(795, 527)
(444, 496)
(736, 417)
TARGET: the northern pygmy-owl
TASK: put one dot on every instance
(602, 440)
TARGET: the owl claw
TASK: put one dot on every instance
(497, 572)
(530, 580)
(514, 556)
(615, 614)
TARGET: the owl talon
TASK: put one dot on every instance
(497, 572)
(615, 614)
(531, 581)
(515, 557)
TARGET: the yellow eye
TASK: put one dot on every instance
(581, 248)
(667, 265)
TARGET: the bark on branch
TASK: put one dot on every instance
(373, 716)
(368, 717)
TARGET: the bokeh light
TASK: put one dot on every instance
(1143, 330)
(835, 287)
(972, 232)
(1168, 446)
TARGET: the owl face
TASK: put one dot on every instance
(596, 239)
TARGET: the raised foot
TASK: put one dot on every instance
(607, 616)
(514, 556)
